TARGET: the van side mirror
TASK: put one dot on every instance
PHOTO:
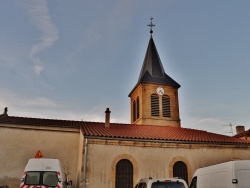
(22, 179)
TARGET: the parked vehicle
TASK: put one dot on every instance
(44, 172)
(232, 174)
(162, 183)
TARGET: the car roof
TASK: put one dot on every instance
(160, 179)
(149, 181)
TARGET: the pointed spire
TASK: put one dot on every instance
(152, 63)
(152, 69)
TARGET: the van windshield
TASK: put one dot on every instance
(41, 178)
(168, 185)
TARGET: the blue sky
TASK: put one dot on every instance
(62, 59)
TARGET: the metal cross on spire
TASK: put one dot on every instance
(151, 25)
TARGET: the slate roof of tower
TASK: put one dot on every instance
(152, 69)
(128, 131)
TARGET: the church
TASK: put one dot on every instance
(116, 155)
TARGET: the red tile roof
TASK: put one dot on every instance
(130, 131)
(243, 134)
(161, 133)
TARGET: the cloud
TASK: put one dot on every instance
(39, 14)
(40, 101)
(42, 107)
(208, 124)
(38, 67)
(27, 106)
(8, 98)
(208, 121)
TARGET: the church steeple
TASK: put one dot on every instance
(154, 99)
(152, 70)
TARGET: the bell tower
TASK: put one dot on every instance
(154, 99)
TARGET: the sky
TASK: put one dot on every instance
(72, 59)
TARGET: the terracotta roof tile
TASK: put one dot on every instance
(129, 131)
(243, 134)
(164, 133)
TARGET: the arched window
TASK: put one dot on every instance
(124, 174)
(154, 105)
(134, 111)
(180, 170)
(166, 110)
(137, 108)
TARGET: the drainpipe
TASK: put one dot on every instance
(85, 162)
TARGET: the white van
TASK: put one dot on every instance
(43, 173)
(232, 174)
(161, 183)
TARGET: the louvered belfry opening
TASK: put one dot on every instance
(124, 174)
(137, 108)
(180, 170)
(134, 111)
(166, 110)
(155, 111)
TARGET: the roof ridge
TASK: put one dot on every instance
(49, 119)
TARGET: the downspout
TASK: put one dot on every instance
(85, 162)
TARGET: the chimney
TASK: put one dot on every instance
(240, 129)
(107, 118)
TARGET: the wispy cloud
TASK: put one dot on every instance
(40, 18)
(20, 100)
(207, 124)
(27, 106)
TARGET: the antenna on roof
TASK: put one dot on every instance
(151, 25)
(231, 128)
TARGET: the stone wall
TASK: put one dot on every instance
(20, 143)
(151, 159)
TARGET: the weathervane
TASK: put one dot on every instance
(151, 25)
